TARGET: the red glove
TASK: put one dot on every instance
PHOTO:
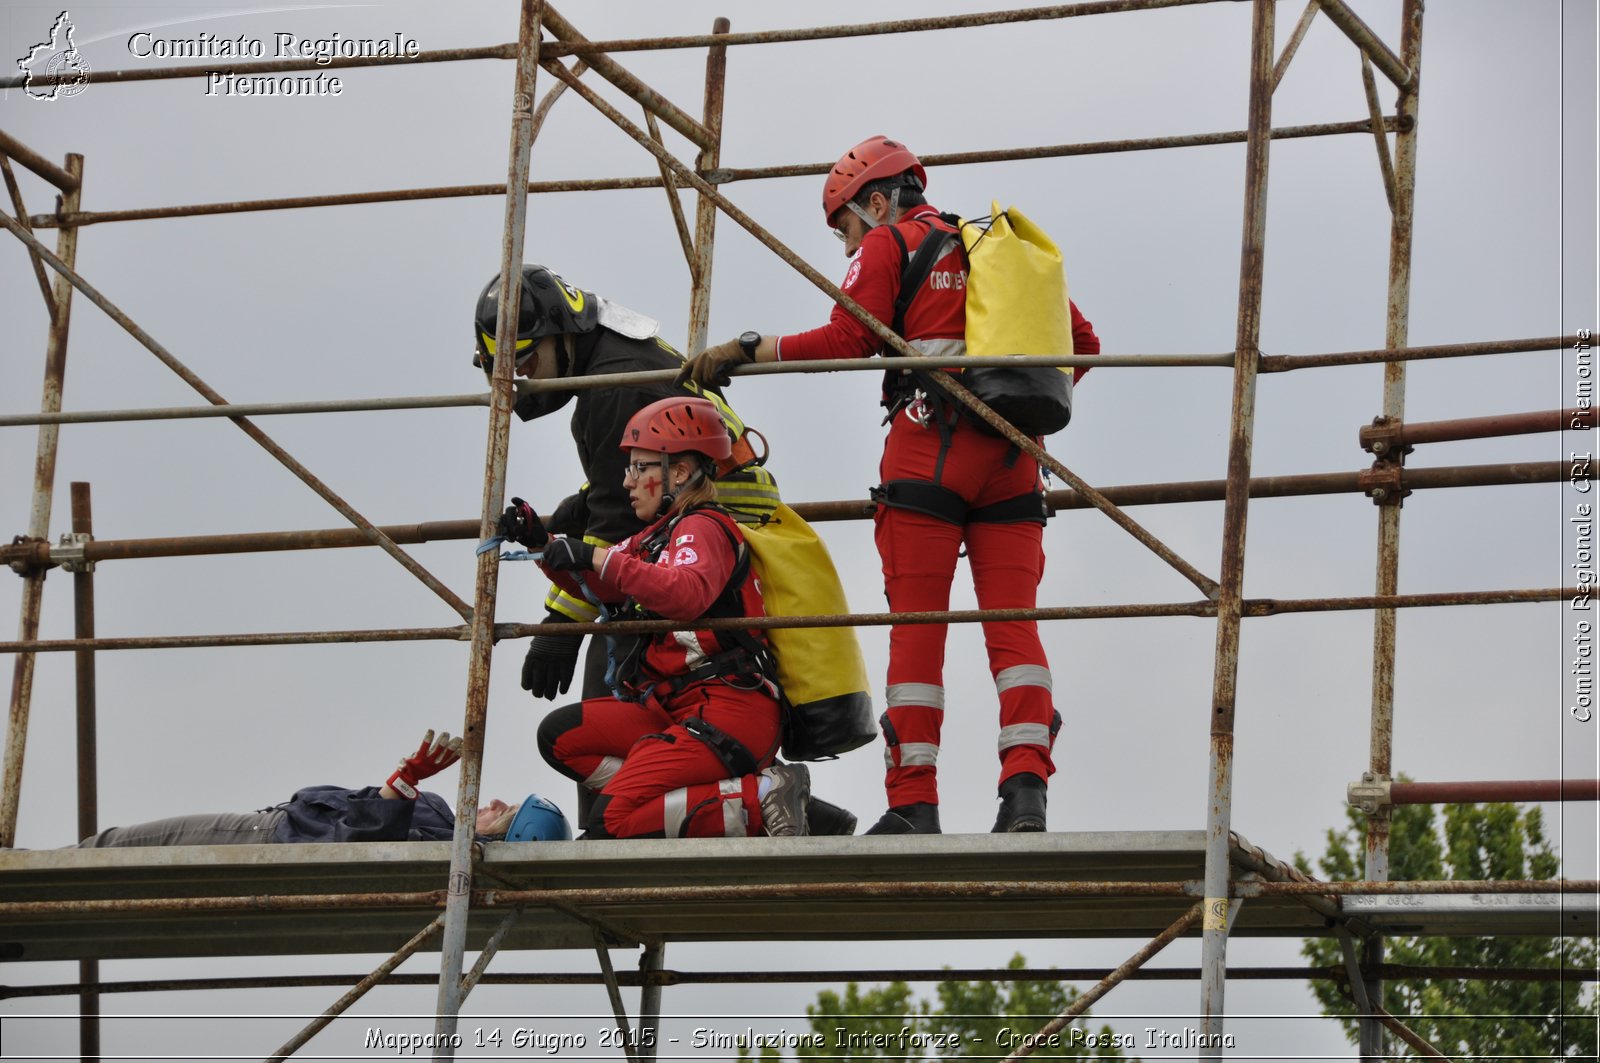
(432, 756)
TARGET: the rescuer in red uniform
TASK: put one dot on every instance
(944, 483)
(687, 749)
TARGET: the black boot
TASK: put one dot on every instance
(1022, 799)
(919, 818)
(823, 818)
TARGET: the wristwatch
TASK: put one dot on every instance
(750, 341)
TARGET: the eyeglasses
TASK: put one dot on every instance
(636, 469)
(843, 239)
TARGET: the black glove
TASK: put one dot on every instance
(547, 670)
(520, 524)
(569, 555)
(571, 516)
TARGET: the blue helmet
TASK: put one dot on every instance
(538, 820)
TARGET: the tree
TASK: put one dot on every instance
(1536, 1020)
(970, 1019)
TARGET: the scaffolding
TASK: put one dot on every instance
(1160, 885)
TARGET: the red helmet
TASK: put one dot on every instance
(679, 424)
(870, 160)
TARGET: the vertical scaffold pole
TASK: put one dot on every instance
(1396, 334)
(705, 215)
(459, 894)
(88, 769)
(1247, 357)
(650, 963)
(44, 478)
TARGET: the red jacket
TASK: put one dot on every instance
(939, 310)
(681, 578)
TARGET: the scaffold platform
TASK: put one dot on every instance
(244, 900)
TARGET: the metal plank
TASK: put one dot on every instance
(420, 867)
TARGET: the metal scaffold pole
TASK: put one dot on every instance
(1396, 334)
(44, 475)
(88, 771)
(458, 897)
(1247, 355)
(705, 217)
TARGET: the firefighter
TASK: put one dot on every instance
(686, 749)
(944, 483)
(564, 331)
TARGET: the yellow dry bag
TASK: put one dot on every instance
(820, 668)
(1017, 304)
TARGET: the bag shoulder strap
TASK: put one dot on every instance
(729, 602)
(918, 265)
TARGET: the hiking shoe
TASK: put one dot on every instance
(919, 818)
(826, 818)
(1022, 801)
(783, 810)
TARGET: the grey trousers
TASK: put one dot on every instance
(209, 828)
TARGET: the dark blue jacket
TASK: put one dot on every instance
(334, 814)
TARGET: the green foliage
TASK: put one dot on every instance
(1467, 1019)
(969, 1018)
(979, 1011)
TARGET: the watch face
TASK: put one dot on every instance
(750, 339)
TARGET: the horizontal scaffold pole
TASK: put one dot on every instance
(1019, 889)
(715, 177)
(1577, 419)
(1253, 607)
(1387, 971)
(40, 554)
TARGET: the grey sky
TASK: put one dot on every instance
(376, 301)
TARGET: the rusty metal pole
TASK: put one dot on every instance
(1247, 356)
(88, 787)
(1396, 334)
(359, 990)
(44, 478)
(459, 897)
(650, 961)
(1127, 969)
(705, 216)
(288, 461)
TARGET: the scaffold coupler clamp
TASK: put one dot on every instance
(30, 556)
(69, 552)
(1370, 795)
(1383, 481)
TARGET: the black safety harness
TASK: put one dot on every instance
(748, 665)
(902, 387)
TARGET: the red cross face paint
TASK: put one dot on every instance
(642, 477)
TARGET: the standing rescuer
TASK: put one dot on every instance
(944, 482)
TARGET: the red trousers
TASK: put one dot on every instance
(655, 778)
(919, 559)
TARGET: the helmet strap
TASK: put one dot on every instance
(861, 212)
(667, 493)
(873, 223)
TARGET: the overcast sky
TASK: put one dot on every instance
(377, 301)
